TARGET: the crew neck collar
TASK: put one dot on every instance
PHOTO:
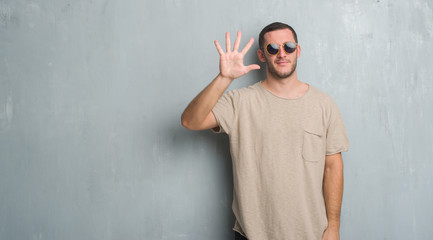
(287, 99)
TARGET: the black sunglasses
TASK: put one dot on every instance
(273, 48)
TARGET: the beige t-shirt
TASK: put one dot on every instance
(278, 149)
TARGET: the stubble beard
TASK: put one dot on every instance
(279, 74)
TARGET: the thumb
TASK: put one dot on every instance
(253, 67)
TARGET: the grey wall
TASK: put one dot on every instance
(91, 93)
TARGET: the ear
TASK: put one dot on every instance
(261, 55)
(299, 51)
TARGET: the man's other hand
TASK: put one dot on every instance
(331, 235)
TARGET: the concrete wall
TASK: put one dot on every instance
(91, 93)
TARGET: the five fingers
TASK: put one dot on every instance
(236, 49)
(235, 46)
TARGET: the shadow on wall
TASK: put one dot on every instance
(202, 161)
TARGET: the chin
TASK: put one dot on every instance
(282, 75)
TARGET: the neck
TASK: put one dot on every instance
(289, 87)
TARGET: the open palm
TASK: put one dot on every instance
(232, 61)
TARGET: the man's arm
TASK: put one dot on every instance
(333, 193)
(198, 115)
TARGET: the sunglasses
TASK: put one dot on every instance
(273, 48)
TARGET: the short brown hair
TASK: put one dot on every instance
(272, 27)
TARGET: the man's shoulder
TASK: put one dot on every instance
(320, 95)
(245, 91)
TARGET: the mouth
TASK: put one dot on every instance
(282, 62)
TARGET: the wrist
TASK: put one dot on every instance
(333, 226)
(225, 79)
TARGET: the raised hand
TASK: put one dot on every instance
(198, 115)
(232, 62)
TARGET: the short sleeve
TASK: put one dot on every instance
(225, 112)
(336, 136)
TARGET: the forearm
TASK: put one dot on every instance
(197, 115)
(333, 189)
(199, 108)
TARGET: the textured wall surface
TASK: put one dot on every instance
(91, 93)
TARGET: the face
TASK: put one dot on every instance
(282, 65)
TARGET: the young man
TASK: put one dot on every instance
(286, 139)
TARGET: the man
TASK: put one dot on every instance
(286, 139)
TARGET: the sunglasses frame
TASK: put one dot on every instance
(296, 45)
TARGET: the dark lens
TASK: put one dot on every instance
(289, 47)
(272, 48)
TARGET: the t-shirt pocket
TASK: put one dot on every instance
(312, 148)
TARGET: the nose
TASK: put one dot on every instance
(281, 51)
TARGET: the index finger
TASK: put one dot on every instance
(248, 46)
